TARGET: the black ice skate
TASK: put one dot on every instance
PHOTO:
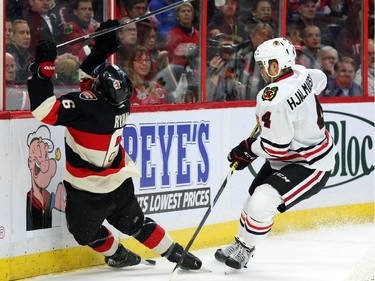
(123, 257)
(190, 261)
(223, 254)
(239, 258)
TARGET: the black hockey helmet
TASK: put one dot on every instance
(113, 83)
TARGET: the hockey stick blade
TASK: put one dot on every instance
(148, 262)
(230, 270)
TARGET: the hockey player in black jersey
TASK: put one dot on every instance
(299, 151)
(98, 176)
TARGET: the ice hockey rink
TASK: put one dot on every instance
(344, 253)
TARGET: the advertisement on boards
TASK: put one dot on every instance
(182, 159)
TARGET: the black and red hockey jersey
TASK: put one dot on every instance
(95, 158)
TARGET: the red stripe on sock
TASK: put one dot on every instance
(155, 238)
(107, 244)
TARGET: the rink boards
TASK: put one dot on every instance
(182, 158)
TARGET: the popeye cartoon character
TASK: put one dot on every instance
(40, 202)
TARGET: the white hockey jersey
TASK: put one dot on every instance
(292, 123)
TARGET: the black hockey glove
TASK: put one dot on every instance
(44, 62)
(242, 154)
(107, 43)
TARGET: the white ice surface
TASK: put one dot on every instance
(344, 253)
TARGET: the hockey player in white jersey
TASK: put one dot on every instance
(298, 150)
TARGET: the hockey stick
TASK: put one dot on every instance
(221, 189)
(135, 20)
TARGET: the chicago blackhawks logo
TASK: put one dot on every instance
(269, 93)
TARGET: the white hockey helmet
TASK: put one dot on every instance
(279, 49)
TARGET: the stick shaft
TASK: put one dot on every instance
(135, 20)
(221, 189)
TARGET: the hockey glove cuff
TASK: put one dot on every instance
(44, 63)
(242, 154)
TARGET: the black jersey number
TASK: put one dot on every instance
(319, 112)
(266, 119)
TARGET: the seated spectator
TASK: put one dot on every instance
(10, 69)
(312, 44)
(146, 90)
(343, 84)
(128, 41)
(66, 69)
(327, 58)
(299, 52)
(261, 12)
(78, 26)
(166, 20)
(17, 97)
(307, 17)
(19, 48)
(252, 78)
(184, 32)
(184, 61)
(8, 32)
(146, 36)
(221, 82)
(293, 34)
(371, 70)
(349, 38)
(225, 21)
(42, 25)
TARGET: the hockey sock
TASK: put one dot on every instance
(154, 237)
(105, 243)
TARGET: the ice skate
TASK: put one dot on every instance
(223, 254)
(190, 261)
(239, 258)
(123, 257)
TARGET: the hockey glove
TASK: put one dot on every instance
(107, 43)
(44, 63)
(242, 154)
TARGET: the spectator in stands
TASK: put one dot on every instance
(261, 12)
(42, 25)
(312, 43)
(66, 69)
(146, 36)
(16, 97)
(294, 34)
(10, 69)
(146, 90)
(221, 82)
(349, 38)
(299, 52)
(79, 25)
(252, 78)
(166, 20)
(328, 58)
(184, 61)
(130, 8)
(184, 32)
(19, 48)
(128, 41)
(343, 84)
(8, 32)
(307, 17)
(371, 69)
(225, 21)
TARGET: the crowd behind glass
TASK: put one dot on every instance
(161, 54)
